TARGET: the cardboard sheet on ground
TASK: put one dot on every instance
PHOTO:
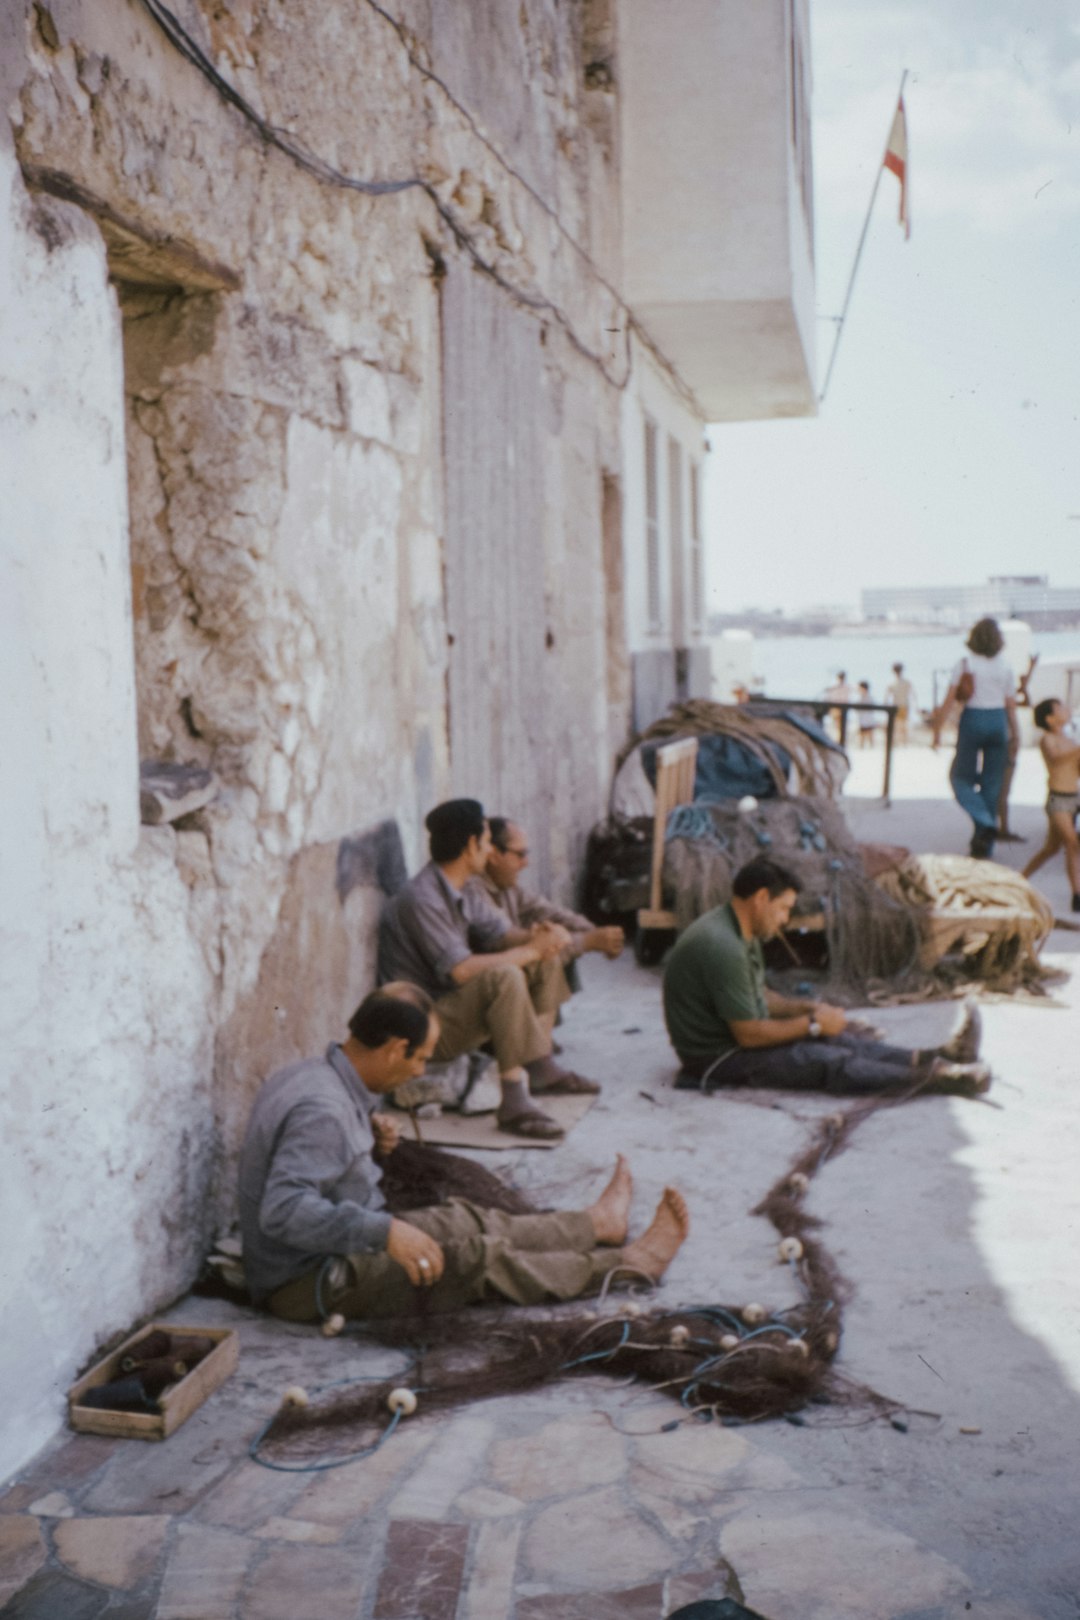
(481, 1131)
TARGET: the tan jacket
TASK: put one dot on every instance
(523, 908)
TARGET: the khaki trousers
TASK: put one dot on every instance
(526, 1259)
(500, 1005)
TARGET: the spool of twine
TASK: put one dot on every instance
(151, 1348)
(189, 1347)
(154, 1376)
(122, 1395)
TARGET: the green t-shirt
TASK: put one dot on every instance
(712, 976)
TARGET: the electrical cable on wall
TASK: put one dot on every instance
(293, 148)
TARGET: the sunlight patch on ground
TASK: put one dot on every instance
(1027, 1211)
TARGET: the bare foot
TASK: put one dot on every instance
(611, 1212)
(658, 1245)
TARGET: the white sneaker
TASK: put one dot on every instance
(963, 1044)
(959, 1079)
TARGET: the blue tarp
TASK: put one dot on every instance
(728, 769)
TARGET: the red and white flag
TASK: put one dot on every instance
(896, 161)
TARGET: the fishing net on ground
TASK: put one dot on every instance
(733, 1361)
(871, 935)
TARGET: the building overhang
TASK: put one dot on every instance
(717, 198)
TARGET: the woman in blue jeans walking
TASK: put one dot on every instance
(986, 686)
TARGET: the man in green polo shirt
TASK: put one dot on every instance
(730, 1029)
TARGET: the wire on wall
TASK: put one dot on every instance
(295, 149)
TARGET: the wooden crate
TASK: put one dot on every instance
(177, 1403)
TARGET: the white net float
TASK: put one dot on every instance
(789, 1248)
(403, 1401)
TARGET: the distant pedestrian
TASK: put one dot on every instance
(867, 718)
(1062, 755)
(984, 684)
(901, 693)
(841, 693)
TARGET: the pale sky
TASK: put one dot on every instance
(948, 448)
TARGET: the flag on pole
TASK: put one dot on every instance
(896, 161)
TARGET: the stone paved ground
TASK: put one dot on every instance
(957, 1224)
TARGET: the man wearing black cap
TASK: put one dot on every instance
(489, 980)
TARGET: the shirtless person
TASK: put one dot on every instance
(1062, 756)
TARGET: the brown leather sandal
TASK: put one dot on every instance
(566, 1084)
(530, 1122)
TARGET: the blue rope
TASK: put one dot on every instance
(334, 1462)
(599, 1355)
(714, 1313)
(772, 1327)
(319, 1467)
(693, 821)
(320, 1278)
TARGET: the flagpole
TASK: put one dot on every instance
(858, 255)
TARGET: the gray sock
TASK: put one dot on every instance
(515, 1098)
(543, 1070)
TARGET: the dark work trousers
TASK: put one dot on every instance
(846, 1065)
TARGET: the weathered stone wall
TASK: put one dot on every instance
(105, 1121)
(235, 528)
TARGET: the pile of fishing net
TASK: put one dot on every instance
(987, 914)
(744, 748)
(870, 933)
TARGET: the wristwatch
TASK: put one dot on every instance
(813, 1029)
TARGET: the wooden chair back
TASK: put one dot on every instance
(676, 767)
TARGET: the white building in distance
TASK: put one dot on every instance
(1005, 596)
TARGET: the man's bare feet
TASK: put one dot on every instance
(611, 1212)
(661, 1241)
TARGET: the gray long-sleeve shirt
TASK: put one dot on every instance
(309, 1186)
(429, 927)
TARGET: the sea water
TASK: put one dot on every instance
(803, 666)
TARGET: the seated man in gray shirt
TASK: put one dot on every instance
(318, 1239)
(489, 980)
